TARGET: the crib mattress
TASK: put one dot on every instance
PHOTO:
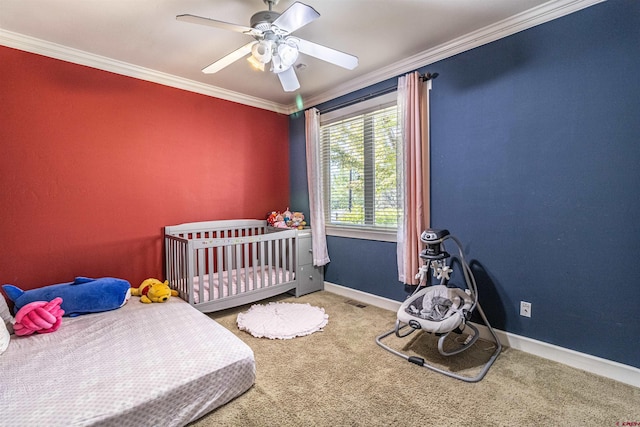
(242, 280)
(143, 364)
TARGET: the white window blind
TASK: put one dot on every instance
(359, 161)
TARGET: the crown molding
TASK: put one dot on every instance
(538, 15)
(64, 53)
(544, 13)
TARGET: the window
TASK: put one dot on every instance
(359, 146)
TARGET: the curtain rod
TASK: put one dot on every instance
(423, 77)
(428, 76)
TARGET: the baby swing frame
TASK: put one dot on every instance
(446, 312)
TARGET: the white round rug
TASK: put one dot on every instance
(281, 320)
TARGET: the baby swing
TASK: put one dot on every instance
(441, 309)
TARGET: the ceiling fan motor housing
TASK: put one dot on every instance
(262, 20)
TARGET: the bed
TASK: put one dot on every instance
(216, 265)
(161, 364)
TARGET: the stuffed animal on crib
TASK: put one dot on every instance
(286, 219)
(280, 222)
(82, 296)
(153, 290)
(286, 215)
(297, 221)
(271, 218)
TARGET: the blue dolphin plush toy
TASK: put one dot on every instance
(82, 296)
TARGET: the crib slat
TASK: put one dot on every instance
(210, 270)
(262, 262)
(254, 263)
(283, 260)
(219, 286)
(245, 262)
(200, 273)
(276, 261)
(270, 263)
(228, 267)
(238, 270)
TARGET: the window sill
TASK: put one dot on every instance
(359, 233)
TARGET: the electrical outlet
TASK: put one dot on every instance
(525, 309)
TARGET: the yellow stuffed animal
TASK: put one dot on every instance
(153, 290)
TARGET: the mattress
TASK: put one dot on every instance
(160, 364)
(243, 282)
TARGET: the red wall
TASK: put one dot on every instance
(93, 165)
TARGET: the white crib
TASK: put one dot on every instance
(215, 265)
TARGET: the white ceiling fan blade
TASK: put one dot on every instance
(229, 59)
(296, 16)
(327, 54)
(289, 80)
(193, 19)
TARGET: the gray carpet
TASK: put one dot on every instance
(341, 377)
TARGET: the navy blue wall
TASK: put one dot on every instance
(535, 145)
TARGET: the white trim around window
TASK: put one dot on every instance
(390, 235)
(357, 109)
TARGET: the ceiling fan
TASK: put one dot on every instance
(273, 42)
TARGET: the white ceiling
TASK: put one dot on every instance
(142, 38)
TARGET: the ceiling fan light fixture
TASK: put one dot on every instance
(261, 51)
(288, 54)
(255, 63)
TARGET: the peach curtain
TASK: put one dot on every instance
(413, 113)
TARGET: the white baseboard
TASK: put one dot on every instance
(607, 368)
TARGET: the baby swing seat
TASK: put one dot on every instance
(441, 309)
(437, 309)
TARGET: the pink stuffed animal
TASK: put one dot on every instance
(280, 222)
(39, 316)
